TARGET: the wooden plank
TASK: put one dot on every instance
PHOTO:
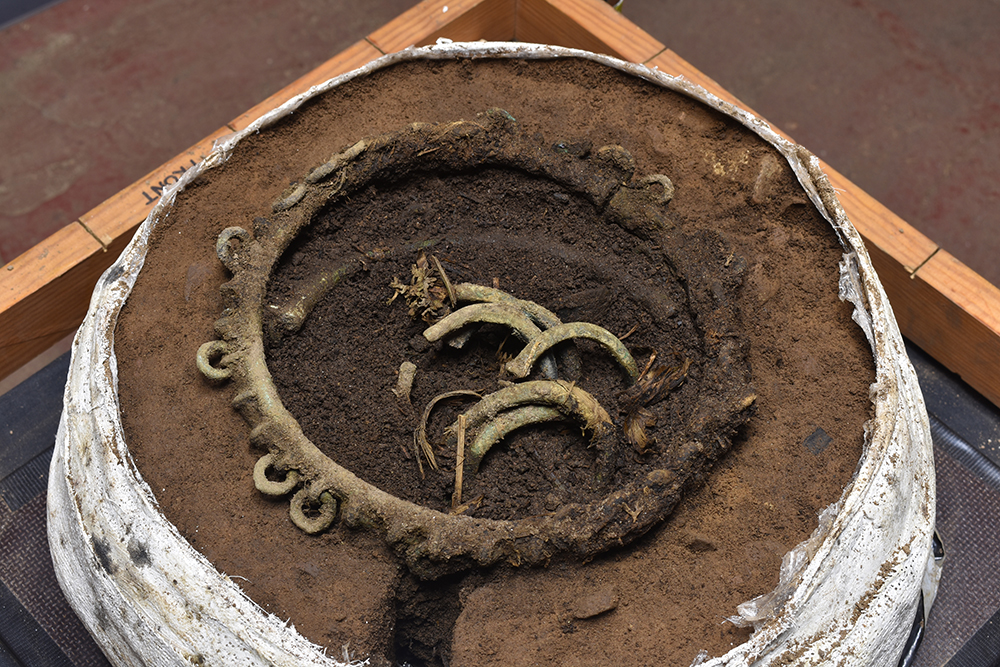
(592, 25)
(954, 315)
(349, 59)
(45, 292)
(879, 226)
(119, 216)
(457, 20)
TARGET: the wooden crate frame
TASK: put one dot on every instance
(941, 305)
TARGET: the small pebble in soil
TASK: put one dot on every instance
(595, 603)
(699, 543)
(552, 502)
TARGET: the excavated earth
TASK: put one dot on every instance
(738, 236)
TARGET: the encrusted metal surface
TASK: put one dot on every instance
(432, 542)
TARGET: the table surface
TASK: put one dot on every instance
(37, 626)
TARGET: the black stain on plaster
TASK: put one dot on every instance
(139, 553)
(103, 552)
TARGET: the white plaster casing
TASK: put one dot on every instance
(847, 595)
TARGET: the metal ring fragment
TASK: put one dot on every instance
(433, 543)
(506, 423)
(495, 313)
(213, 349)
(543, 317)
(325, 513)
(269, 487)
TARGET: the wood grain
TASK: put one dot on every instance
(953, 313)
(464, 21)
(591, 25)
(120, 215)
(45, 292)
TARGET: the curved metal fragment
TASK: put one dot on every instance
(521, 365)
(504, 424)
(269, 487)
(495, 313)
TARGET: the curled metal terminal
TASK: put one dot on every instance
(229, 244)
(213, 350)
(665, 183)
(268, 487)
(313, 516)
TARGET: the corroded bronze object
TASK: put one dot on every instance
(432, 542)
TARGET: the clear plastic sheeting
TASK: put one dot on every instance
(763, 607)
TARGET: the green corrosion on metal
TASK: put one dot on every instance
(566, 397)
(521, 365)
(541, 316)
(504, 424)
(430, 542)
(546, 319)
(495, 313)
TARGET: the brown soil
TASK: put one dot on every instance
(661, 599)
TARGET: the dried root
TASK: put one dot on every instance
(652, 387)
(421, 433)
(456, 498)
(424, 296)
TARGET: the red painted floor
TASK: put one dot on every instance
(902, 97)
